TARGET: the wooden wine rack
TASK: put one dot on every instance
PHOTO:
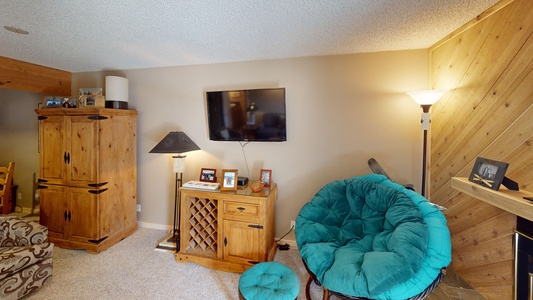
(204, 222)
(229, 231)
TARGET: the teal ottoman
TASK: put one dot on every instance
(269, 280)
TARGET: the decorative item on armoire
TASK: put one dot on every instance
(91, 97)
(175, 142)
(116, 92)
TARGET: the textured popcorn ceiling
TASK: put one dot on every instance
(92, 35)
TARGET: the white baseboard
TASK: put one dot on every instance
(291, 243)
(154, 226)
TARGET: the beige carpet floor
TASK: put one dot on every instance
(132, 269)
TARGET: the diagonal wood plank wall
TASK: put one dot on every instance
(488, 112)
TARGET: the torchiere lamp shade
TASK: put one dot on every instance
(175, 142)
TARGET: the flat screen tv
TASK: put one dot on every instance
(247, 115)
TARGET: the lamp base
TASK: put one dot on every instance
(170, 243)
(116, 104)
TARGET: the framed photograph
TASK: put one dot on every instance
(229, 180)
(266, 176)
(91, 91)
(91, 97)
(488, 173)
(52, 101)
(208, 175)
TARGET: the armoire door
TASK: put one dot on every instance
(83, 146)
(54, 209)
(53, 150)
(83, 218)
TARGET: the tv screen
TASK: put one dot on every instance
(247, 115)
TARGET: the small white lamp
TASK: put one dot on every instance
(116, 92)
(426, 98)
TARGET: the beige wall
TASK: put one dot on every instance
(342, 110)
(19, 139)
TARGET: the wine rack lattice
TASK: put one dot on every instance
(204, 222)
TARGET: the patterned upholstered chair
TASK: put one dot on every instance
(25, 257)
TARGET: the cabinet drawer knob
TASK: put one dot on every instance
(241, 209)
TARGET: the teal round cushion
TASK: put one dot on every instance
(269, 280)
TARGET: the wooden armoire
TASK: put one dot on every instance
(87, 176)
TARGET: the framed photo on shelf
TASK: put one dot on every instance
(488, 173)
(229, 180)
(266, 176)
(208, 175)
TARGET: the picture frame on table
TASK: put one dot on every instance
(208, 175)
(229, 180)
(488, 173)
(266, 177)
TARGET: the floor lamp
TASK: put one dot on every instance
(426, 98)
(175, 142)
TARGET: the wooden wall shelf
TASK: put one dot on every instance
(508, 200)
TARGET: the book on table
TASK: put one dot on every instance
(201, 185)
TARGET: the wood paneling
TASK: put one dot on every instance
(491, 274)
(483, 254)
(490, 229)
(488, 112)
(23, 76)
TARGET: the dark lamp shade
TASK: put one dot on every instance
(175, 142)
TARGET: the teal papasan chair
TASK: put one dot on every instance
(368, 237)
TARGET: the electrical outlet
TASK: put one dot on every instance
(293, 224)
(19, 196)
(138, 208)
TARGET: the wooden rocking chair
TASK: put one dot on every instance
(6, 182)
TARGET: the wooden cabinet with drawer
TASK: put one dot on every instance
(229, 231)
